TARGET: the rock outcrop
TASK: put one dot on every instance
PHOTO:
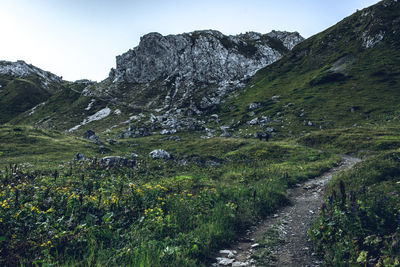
(193, 71)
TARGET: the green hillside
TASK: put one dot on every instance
(331, 79)
(18, 95)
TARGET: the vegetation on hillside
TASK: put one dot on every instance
(158, 213)
(360, 220)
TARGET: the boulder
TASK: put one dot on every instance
(91, 135)
(78, 157)
(159, 154)
(254, 106)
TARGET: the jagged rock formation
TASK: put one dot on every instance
(192, 70)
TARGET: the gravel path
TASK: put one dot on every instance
(292, 223)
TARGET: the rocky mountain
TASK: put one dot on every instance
(196, 69)
(244, 85)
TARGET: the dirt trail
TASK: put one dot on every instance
(292, 223)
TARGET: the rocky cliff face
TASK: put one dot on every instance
(192, 70)
(206, 56)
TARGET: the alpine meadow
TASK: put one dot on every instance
(206, 149)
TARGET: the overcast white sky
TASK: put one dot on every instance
(80, 38)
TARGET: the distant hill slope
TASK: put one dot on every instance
(178, 78)
(348, 74)
(23, 86)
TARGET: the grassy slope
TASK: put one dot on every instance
(68, 108)
(42, 148)
(368, 80)
(205, 205)
(19, 95)
(360, 222)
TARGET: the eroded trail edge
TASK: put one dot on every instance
(290, 225)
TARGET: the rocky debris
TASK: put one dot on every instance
(159, 154)
(230, 253)
(288, 39)
(254, 121)
(254, 106)
(110, 141)
(135, 132)
(90, 135)
(103, 149)
(211, 162)
(225, 131)
(112, 161)
(99, 115)
(20, 69)
(226, 134)
(134, 155)
(78, 157)
(165, 131)
(270, 129)
(259, 121)
(172, 138)
(262, 135)
(224, 261)
(255, 245)
(275, 98)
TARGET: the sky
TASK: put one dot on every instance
(79, 39)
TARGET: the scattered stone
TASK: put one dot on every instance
(110, 141)
(134, 155)
(309, 187)
(261, 136)
(253, 106)
(275, 97)
(270, 129)
(255, 245)
(103, 149)
(254, 121)
(135, 132)
(91, 135)
(172, 138)
(159, 154)
(226, 134)
(230, 253)
(78, 157)
(225, 261)
(240, 264)
(214, 116)
(112, 161)
(165, 131)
